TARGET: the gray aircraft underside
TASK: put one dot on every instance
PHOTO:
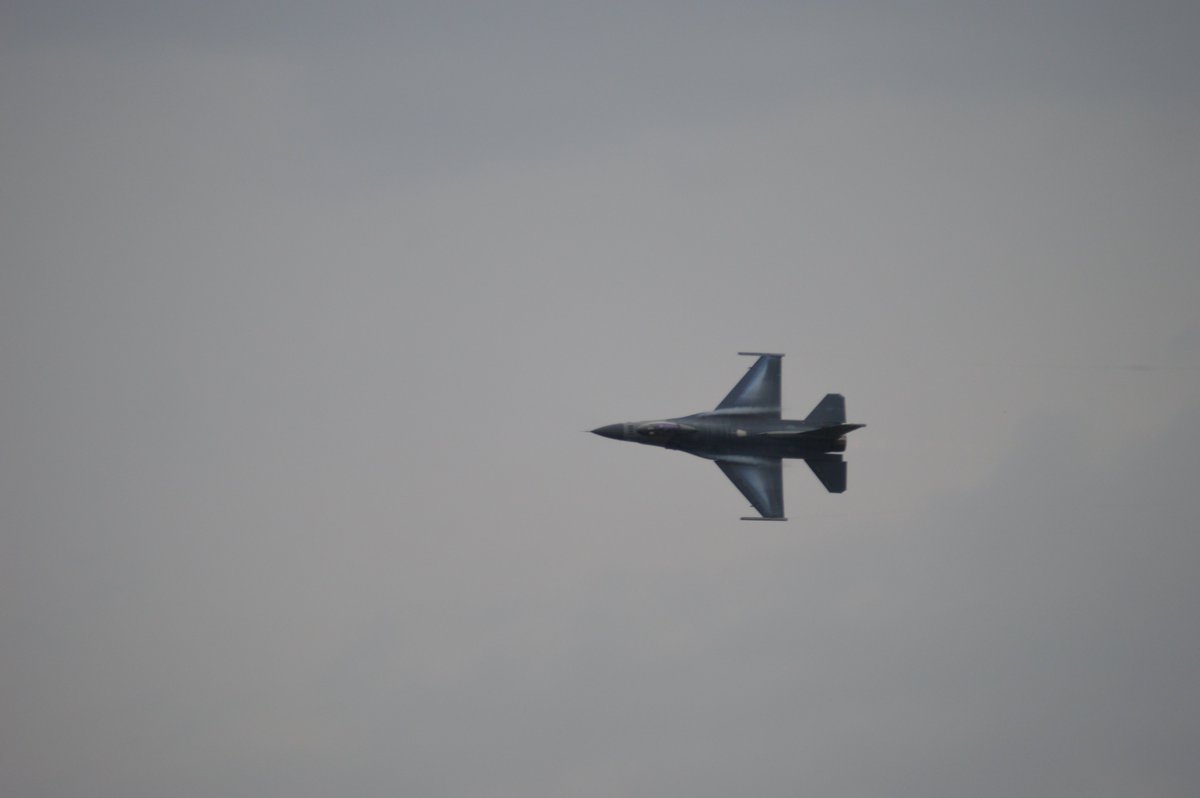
(748, 439)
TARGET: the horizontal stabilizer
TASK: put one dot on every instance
(829, 412)
(831, 470)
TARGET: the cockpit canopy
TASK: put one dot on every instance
(654, 429)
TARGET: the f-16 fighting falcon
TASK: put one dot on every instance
(748, 439)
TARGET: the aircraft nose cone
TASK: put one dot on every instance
(614, 431)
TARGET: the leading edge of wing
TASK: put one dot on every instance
(758, 391)
(761, 481)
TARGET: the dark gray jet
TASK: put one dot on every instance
(748, 440)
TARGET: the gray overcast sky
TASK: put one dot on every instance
(304, 308)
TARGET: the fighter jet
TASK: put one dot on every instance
(748, 439)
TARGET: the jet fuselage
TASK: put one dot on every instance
(748, 439)
(719, 435)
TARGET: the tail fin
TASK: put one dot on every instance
(829, 412)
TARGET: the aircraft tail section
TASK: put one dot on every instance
(831, 470)
(829, 412)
